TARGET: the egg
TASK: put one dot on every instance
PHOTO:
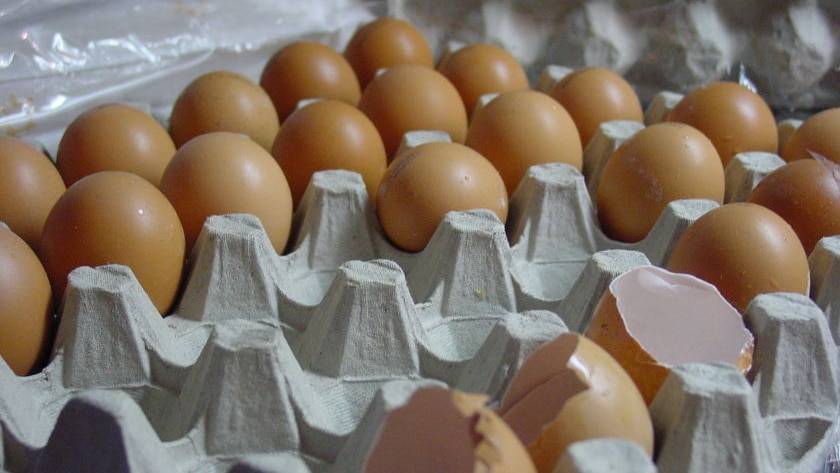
(734, 117)
(520, 129)
(806, 193)
(570, 389)
(329, 134)
(114, 137)
(307, 70)
(224, 101)
(651, 319)
(657, 165)
(29, 186)
(481, 68)
(425, 182)
(386, 42)
(816, 135)
(446, 430)
(411, 97)
(221, 173)
(594, 95)
(116, 217)
(26, 306)
(744, 249)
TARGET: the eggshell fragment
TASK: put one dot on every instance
(651, 319)
(520, 129)
(568, 390)
(224, 101)
(116, 217)
(29, 186)
(26, 308)
(114, 137)
(412, 97)
(386, 42)
(446, 430)
(744, 249)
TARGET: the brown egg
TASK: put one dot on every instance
(26, 309)
(307, 70)
(328, 134)
(734, 117)
(650, 320)
(517, 130)
(806, 193)
(745, 250)
(480, 68)
(570, 389)
(115, 217)
(444, 430)
(224, 101)
(816, 135)
(29, 186)
(223, 173)
(386, 42)
(593, 95)
(425, 182)
(659, 164)
(114, 137)
(410, 97)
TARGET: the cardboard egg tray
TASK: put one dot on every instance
(289, 363)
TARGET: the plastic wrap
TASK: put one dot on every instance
(61, 56)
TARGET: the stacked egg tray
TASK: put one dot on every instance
(289, 363)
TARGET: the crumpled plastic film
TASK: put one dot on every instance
(64, 54)
(59, 55)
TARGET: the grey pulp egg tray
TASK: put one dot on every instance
(289, 363)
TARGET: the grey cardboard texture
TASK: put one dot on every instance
(289, 363)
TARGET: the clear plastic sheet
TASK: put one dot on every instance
(58, 57)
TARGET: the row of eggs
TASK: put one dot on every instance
(348, 129)
(149, 217)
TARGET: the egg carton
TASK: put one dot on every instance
(787, 50)
(290, 362)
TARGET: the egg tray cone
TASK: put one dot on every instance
(290, 362)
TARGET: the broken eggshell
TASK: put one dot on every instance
(651, 319)
(442, 429)
(568, 390)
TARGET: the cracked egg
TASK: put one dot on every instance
(651, 319)
(439, 429)
(570, 389)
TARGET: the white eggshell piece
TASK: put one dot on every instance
(679, 318)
